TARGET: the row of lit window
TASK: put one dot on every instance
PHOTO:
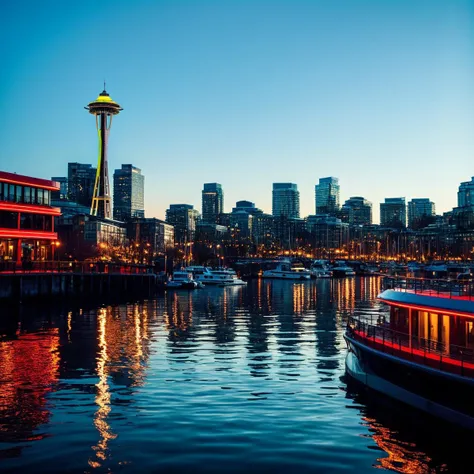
(24, 194)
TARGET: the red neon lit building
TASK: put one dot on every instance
(26, 218)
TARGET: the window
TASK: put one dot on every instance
(18, 194)
(11, 192)
(46, 197)
(39, 196)
(8, 220)
(27, 195)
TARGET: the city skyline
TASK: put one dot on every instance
(247, 94)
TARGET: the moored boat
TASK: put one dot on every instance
(183, 280)
(286, 271)
(422, 354)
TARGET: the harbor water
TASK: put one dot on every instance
(235, 379)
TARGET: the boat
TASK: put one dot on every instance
(183, 280)
(422, 353)
(208, 276)
(285, 270)
(227, 273)
(341, 269)
(320, 269)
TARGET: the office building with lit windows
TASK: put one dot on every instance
(212, 202)
(183, 217)
(418, 210)
(285, 200)
(393, 213)
(80, 183)
(129, 190)
(327, 196)
(357, 211)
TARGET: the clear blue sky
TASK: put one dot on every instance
(246, 93)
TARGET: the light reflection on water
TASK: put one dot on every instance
(220, 379)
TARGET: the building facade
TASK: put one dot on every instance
(418, 210)
(26, 218)
(129, 191)
(357, 211)
(327, 232)
(393, 213)
(286, 200)
(183, 217)
(212, 202)
(466, 194)
(61, 194)
(155, 232)
(327, 196)
(80, 182)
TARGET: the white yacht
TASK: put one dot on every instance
(286, 271)
(210, 277)
(184, 280)
(320, 269)
(229, 272)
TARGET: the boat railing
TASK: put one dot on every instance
(431, 287)
(428, 352)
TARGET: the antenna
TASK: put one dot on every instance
(104, 84)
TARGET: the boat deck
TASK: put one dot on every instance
(453, 359)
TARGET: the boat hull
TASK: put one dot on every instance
(439, 394)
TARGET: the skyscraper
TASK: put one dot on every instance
(357, 211)
(81, 178)
(466, 194)
(128, 193)
(212, 202)
(419, 209)
(286, 200)
(393, 212)
(327, 195)
(183, 217)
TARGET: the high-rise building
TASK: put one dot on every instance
(286, 200)
(62, 193)
(393, 212)
(184, 218)
(327, 196)
(212, 202)
(466, 194)
(357, 211)
(128, 193)
(80, 182)
(418, 209)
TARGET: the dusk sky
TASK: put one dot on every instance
(246, 93)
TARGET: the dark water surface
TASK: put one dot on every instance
(238, 379)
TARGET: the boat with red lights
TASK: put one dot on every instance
(422, 352)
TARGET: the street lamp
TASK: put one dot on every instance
(57, 243)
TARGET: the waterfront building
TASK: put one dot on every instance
(466, 194)
(393, 212)
(63, 188)
(128, 193)
(420, 211)
(327, 233)
(357, 211)
(286, 200)
(27, 230)
(183, 217)
(80, 183)
(104, 108)
(155, 232)
(212, 202)
(210, 233)
(327, 196)
(263, 228)
(84, 236)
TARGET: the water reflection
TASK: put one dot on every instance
(143, 384)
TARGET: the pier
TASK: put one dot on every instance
(74, 280)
